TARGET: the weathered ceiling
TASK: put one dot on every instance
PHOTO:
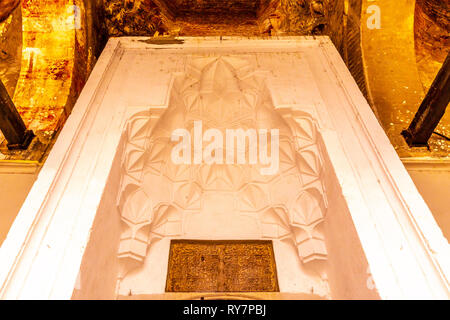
(55, 55)
(7, 7)
(432, 35)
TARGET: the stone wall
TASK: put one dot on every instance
(216, 7)
(146, 17)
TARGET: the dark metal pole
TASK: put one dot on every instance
(11, 124)
(431, 110)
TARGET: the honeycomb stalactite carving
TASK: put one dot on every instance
(159, 199)
(293, 16)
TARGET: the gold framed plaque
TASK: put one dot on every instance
(221, 266)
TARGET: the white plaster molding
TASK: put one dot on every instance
(148, 148)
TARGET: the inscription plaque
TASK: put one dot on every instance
(221, 266)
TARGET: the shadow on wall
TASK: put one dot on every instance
(44, 68)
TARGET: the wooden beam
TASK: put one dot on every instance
(431, 110)
(11, 124)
